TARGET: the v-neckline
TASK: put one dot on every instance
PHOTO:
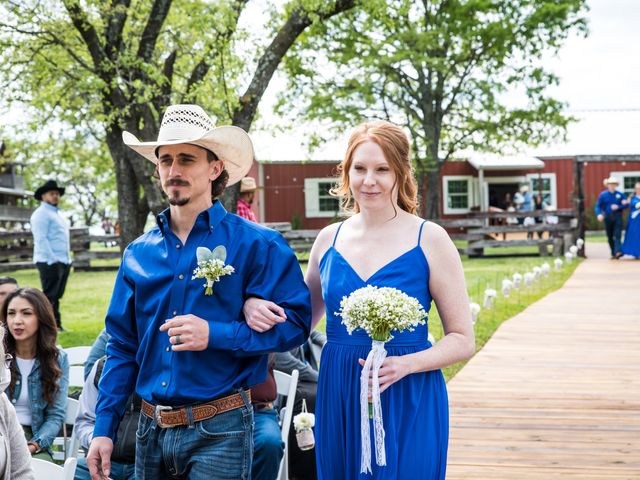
(378, 270)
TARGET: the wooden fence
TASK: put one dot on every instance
(480, 231)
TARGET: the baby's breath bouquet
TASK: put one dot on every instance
(211, 266)
(378, 311)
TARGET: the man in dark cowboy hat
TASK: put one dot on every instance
(51, 244)
(178, 335)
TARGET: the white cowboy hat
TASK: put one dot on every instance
(609, 180)
(248, 184)
(190, 124)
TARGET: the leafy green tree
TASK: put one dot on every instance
(110, 66)
(448, 70)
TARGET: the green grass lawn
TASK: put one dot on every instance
(87, 297)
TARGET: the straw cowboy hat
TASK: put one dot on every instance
(609, 180)
(190, 124)
(248, 184)
(47, 187)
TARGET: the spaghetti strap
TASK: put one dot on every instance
(419, 233)
(335, 237)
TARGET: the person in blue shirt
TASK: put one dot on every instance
(609, 207)
(180, 340)
(631, 245)
(51, 244)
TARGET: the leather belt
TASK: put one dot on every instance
(169, 417)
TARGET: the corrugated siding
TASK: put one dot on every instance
(596, 172)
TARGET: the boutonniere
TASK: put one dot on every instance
(211, 266)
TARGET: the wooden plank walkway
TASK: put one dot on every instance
(556, 392)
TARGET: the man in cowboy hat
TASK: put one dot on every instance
(245, 199)
(180, 339)
(609, 207)
(51, 244)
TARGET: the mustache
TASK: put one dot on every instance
(176, 182)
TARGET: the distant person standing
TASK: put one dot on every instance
(609, 207)
(245, 199)
(51, 245)
(631, 245)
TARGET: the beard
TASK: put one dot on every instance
(176, 200)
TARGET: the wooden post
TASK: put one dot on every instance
(578, 200)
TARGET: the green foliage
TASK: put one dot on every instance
(447, 70)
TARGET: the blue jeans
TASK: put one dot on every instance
(613, 226)
(219, 448)
(268, 447)
(119, 471)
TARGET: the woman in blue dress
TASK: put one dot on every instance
(383, 244)
(631, 245)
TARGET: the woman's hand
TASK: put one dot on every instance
(391, 370)
(261, 315)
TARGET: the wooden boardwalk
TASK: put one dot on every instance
(556, 392)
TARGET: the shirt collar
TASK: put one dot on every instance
(48, 205)
(207, 218)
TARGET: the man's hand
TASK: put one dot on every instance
(99, 458)
(261, 315)
(187, 333)
(614, 207)
(600, 218)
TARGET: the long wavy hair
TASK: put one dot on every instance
(397, 151)
(46, 350)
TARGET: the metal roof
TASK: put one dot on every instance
(500, 162)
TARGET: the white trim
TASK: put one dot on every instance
(312, 198)
(488, 180)
(621, 176)
(552, 181)
(445, 191)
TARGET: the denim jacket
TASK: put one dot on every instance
(46, 420)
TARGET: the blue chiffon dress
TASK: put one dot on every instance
(631, 245)
(415, 409)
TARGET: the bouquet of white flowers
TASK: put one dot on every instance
(211, 266)
(378, 311)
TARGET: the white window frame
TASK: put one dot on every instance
(312, 198)
(552, 182)
(445, 191)
(621, 176)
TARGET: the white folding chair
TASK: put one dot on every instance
(286, 385)
(68, 446)
(50, 471)
(76, 376)
(77, 355)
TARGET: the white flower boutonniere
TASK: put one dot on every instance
(211, 266)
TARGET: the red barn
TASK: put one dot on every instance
(297, 192)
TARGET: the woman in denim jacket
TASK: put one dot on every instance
(41, 401)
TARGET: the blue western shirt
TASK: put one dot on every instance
(50, 235)
(606, 199)
(154, 283)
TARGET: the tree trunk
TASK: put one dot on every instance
(433, 194)
(131, 212)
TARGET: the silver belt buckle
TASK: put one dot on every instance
(158, 414)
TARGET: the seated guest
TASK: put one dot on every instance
(302, 464)
(15, 462)
(40, 370)
(98, 350)
(123, 458)
(7, 285)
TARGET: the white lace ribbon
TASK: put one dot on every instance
(374, 360)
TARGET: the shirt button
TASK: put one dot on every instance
(177, 245)
(174, 312)
(168, 349)
(181, 276)
(164, 384)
